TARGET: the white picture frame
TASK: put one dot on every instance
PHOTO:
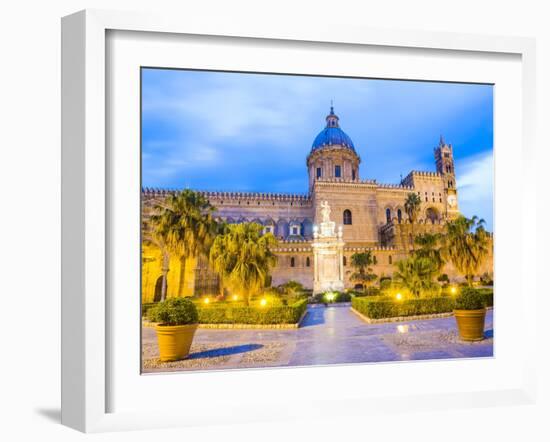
(86, 210)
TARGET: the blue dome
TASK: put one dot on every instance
(332, 134)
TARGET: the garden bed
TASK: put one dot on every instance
(226, 316)
(289, 315)
(387, 309)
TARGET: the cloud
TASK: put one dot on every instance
(231, 131)
(475, 186)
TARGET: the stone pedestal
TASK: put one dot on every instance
(328, 255)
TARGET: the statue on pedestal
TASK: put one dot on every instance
(328, 254)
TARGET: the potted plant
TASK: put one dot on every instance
(177, 320)
(469, 311)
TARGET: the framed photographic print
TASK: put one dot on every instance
(252, 211)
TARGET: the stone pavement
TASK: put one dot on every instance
(331, 335)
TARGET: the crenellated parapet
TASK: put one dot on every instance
(264, 196)
(383, 186)
(409, 180)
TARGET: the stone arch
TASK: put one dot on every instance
(432, 215)
(388, 214)
(347, 217)
(400, 214)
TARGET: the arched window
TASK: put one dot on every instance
(399, 216)
(337, 171)
(389, 259)
(347, 217)
(308, 263)
(388, 215)
(318, 172)
(345, 261)
(353, 174)
(292, 262)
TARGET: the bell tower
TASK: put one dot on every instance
(444, 163)
(445, 166)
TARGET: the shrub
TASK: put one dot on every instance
(369, 291)
(486, 279)
(385, 283)
(291, 287)
(342, 297)
(316, 299)
(226, 314)
(145, 308)
(443, 278)
(174, 311)
(385, 307)
(470, 299)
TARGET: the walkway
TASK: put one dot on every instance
(332, 335)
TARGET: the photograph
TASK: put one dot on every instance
(309, 220)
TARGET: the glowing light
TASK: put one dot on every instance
(235, 297)
(263, 302)
(330, 296)
(403, 328)
(453, 290)
(399, 296)
(206, 300)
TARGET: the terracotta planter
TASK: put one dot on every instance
(175, 341)
(471, 324)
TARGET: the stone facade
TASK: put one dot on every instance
(372, 216)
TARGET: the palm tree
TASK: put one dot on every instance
(467, 244)
(430, 247)
(219, 258)
(183, 227)
(412, 207)
(363, 272)
(416, 274)
(243, 258)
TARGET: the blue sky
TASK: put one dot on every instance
(252, 132)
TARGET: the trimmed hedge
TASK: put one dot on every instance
(288, 314)
(386, 307)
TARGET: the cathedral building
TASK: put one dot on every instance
(371, 215)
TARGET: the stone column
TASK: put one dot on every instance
(315, 267)
(341, 253)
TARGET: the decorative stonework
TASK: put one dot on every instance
(328, 254)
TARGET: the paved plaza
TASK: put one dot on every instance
(328, 335)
